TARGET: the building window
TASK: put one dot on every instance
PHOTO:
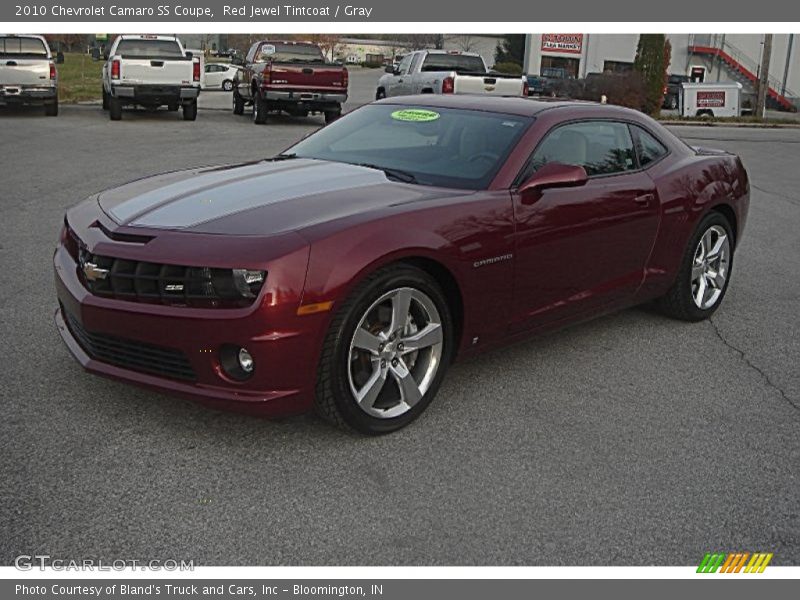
(617, 66)
(569, 66)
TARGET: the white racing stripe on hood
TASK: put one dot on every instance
(211, 196)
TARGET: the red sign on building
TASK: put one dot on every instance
(710, 99)
(571, 43)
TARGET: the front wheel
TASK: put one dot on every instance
(238, 103)
(704, 273)
(227, 85)
(380, 94)
(386, 352)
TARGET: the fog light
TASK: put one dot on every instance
(245, 360)
(236, 362)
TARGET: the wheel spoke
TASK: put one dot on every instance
(697, 271)
(700, 292)
(401, 303)
(713, 252)
(367, 395)
(428, 336)
(365, 340)
(409, 390)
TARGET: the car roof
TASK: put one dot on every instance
(512, 105)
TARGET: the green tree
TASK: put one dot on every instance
(652, 62)
(511, 49)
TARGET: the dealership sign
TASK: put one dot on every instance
(710, 99)
(571, 43)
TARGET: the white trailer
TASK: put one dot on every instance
(711, 99)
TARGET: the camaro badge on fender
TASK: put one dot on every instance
(492, 260)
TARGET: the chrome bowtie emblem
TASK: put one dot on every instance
(92, 272)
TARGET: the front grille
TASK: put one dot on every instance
(130, 354)
(157, 283)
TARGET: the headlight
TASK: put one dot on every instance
(248, 282)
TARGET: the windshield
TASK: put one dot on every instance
(22, 46)
(278, 52)
(454, 62)
(430, 146)
(149, 49)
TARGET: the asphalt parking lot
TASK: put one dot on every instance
(632, 439)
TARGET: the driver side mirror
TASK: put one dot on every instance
(552, 175)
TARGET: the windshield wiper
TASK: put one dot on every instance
(397, 174)
(282, 156)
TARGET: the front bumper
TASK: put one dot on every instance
(285, 357)
(30, 95)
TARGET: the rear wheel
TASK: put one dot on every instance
(238, 103)
(51, 108)
(190, 111)
(380, 94)
(114, 109)
(704, 273)
(332, 115)
(105, 99)
(386, 352)
(259, 109)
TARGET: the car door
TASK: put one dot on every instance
(399, 85)
(582, 249)
(212, 76)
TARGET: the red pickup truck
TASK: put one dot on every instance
(289, 76)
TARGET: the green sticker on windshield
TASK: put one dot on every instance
(415, 115)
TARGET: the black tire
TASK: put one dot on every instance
(259, 109)
(114, 109)
(678, 302)
(105, 99)
(190, 111)
(380, 94)
(227, 85)
(238, 103)
(332, 115)
(51, 108)
(334, 401)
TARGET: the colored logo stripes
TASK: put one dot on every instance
(734, 562)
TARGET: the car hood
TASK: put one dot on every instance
(261, 198)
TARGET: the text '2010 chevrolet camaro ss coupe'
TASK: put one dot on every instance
(347, 272)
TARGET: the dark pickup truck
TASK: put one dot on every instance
(293, 77)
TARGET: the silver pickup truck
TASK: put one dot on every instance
(150, 71)
(27, 73)
(446, 72)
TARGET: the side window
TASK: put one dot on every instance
(405, 63)
(415, 62)
(649, 148)
(600, 147)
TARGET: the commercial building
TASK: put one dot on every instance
(703, 57)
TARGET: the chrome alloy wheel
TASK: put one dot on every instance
(710, 267)
(395, 353)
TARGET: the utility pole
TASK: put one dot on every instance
(763, 77)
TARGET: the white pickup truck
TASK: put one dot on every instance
(445, 72)
(150, 71)
(27, 73)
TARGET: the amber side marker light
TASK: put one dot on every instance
(310, 309)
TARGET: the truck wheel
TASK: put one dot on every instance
(105, 99)
(238, 103)
(332, 115)
(259, 109)
(380, 94)
(51, 108)
(190, 111)
(114, 109)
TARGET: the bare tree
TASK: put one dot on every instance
(465, 42)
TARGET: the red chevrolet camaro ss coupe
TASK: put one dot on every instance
(347, 272)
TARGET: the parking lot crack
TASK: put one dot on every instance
(792, 200)
(753, 366)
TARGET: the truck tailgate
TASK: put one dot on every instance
(308, 76)
(156, 71)
(24, 71)
(488, 84)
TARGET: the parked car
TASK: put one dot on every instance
(553, 82)
(28, 74)
(288, 76)
(220, 76)
(672, 91)
(347, 272)
(446, 72)
(150, 71)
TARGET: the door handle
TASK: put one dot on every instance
(644, 198)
